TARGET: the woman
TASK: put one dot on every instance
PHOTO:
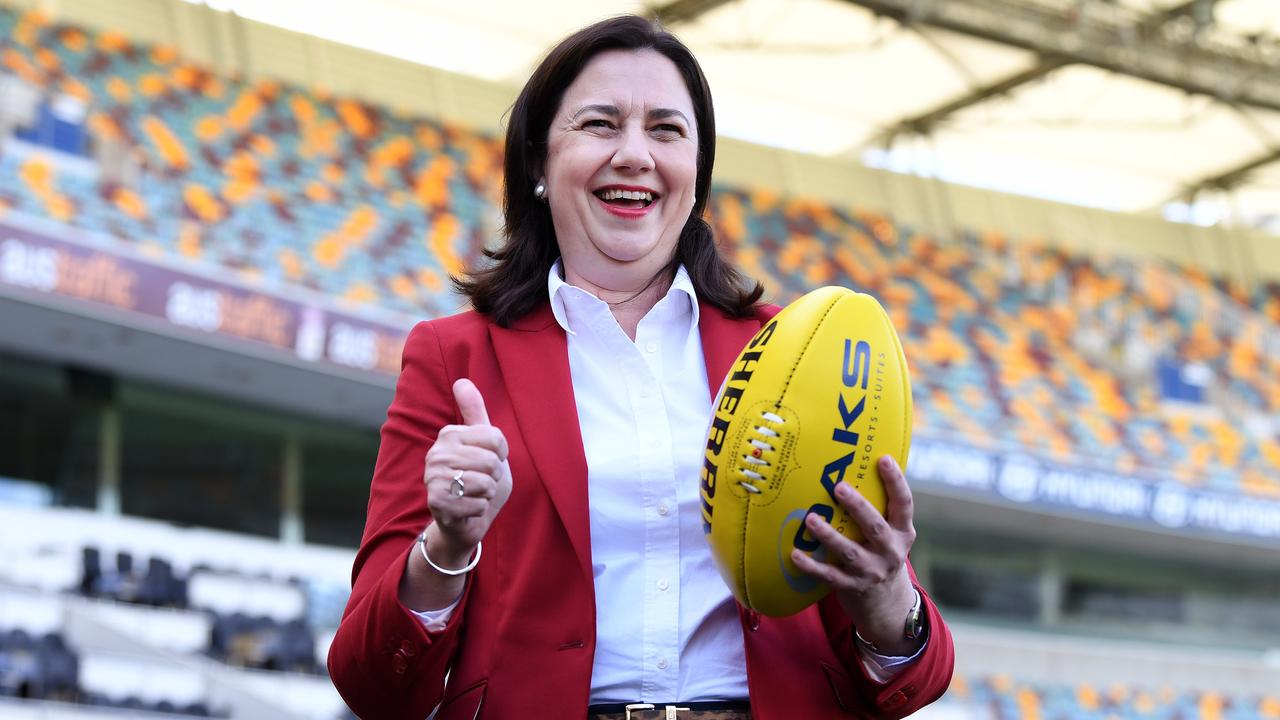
(562, 571)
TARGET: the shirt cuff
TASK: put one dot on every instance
(883, 668)
(435, 620)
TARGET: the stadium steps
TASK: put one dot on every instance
(160, 647)
(242, 692)
(1050, 659)
(16, 709)
(224, 687)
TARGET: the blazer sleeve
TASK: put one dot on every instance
(917, 685)
(382, 660)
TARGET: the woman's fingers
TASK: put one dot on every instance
(900, 506)
(473, 484)
(840, 550)
(466, 472)
(875, 530)
(447, 461)
(863, 567)
(456, 511)
(482, 436)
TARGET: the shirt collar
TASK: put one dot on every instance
(557, 288)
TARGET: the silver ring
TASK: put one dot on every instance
(457, 488)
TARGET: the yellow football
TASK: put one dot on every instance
(815, 399)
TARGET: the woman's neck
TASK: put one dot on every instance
(629, 305)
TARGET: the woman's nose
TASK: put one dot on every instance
(633, 151)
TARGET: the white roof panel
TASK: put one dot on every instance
(827, 77)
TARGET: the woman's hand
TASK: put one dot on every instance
(870, 578)
(474, 452)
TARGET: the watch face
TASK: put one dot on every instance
(917, 625)
(914, 626)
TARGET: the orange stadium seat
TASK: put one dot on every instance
(1016, 699)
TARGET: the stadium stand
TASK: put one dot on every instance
(348, 199)
(281, 185)
(1105, 362)
(1005, 697)
(266, 179)
(1032, 348)
(245, 608)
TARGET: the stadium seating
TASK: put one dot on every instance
(1001, 696)
(143, 636)
(1014, 344)
(1022, 346)
(271, 181)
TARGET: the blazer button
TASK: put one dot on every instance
(753, 620)
(407, 648)
(399, 663)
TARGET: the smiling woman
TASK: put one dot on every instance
(561, 423)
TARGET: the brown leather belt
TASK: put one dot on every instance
(676, 711)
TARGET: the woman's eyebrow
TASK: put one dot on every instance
(613, 111)
(610, 110)
(664, 113)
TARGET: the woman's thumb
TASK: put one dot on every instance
(470, 403)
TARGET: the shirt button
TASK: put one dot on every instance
(663, 509)
(663, 584)
(651, 347)
(399, 663)
(662, 663)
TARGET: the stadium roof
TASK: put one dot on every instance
(1037, 97)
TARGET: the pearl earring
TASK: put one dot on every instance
(540, 190)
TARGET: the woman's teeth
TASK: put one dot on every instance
(629, 198)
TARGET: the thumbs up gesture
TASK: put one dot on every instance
(468, 477)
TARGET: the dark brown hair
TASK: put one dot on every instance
(516, 281)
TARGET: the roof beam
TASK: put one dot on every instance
(682, 11)
(924, 123)
(1110, 37)
(1233, 178)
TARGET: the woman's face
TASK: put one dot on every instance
(622, 161)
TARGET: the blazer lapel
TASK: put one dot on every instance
(723, 338)
(534, 358)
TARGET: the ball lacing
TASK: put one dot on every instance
(761, 446)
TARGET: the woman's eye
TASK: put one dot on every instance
(598, 123)
(668, 129)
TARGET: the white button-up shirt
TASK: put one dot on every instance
(668, 629)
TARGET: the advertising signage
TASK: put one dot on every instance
(1024, 480)
(36, 263)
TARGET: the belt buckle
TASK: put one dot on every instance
(671, 710)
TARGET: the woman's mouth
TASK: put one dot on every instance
(626, 199)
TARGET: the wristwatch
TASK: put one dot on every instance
(913, 628)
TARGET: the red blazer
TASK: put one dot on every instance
(521, 643)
